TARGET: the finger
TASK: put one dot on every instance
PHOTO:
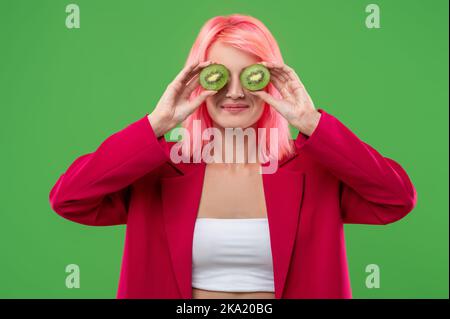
(293, 83)
(280, 76)
(184, 72)
(292, 74)
(267, 64)
(271, 65)
(297, 90)
(285, 75)
(196, 70)
(275, 69)
(290, 78)
(191, 86)
(300, 93)
(280, 86)
(280, 73)
(287, 72)
(198, 100)
(179, 84)
(267, 98)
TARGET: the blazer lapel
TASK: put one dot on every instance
(283, 192)
(181, 198)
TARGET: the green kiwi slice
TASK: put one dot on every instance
(255, 77)
(214, 77)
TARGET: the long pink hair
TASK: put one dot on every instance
(252, 36)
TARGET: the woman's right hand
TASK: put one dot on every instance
(174, 106)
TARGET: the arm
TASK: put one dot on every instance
(95, 189)
(373, 189)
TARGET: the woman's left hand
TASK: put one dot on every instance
(296, 105)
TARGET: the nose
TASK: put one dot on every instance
(234, 88)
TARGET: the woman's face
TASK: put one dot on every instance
(233, 93)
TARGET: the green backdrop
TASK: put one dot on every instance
(63, 91)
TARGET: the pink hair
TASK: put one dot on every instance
(252, 36)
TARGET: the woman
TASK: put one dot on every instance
(223, 230)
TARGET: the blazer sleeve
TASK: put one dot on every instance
(373, 189)
(95, 189)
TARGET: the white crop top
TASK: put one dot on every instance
(232, 255)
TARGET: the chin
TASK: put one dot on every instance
(234, 121)
(233, 124)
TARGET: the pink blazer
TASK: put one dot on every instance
(334, 178)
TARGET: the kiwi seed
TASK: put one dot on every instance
(255, 77)
(214, 77)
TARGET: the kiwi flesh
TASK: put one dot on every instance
(214, 77)
(255, 77)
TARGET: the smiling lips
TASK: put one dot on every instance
(234, 108)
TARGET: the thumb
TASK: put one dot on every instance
(266, 97)
(200, 99)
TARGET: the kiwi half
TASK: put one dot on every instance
(214, 77)
(255, 77)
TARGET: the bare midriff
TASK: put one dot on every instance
(208, 294)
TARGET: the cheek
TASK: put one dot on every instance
(211, 105)
(259, 108)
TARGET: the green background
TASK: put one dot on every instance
(62, 92)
